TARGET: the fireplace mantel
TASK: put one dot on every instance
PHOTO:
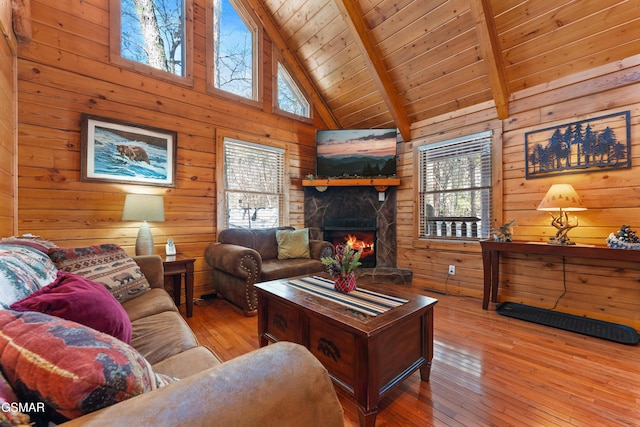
(352, 182)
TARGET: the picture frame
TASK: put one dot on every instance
(598, 144)
(128, 153)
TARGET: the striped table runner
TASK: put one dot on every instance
(361, 300)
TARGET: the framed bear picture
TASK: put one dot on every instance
(118, 151)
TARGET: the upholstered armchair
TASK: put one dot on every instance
(243, 257)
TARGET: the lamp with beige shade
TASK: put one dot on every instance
(562, 198)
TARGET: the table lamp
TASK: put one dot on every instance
(561, 198)
(143, 207)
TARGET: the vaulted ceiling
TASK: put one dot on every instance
(391, 63)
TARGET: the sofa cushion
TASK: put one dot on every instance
(152, 302)
(161, 336)
(23, 270)
(10, 414)
(108, 264)
(81, 300)
(293, 243)
(281, 268)
(73, 369)
(187, 363)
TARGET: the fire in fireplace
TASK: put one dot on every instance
(357, 232)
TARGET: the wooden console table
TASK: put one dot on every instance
(491, 259)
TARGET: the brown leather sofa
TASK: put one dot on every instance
(282, 384)
(243, 257)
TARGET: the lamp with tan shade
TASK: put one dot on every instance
(143, 207)
(561, 198)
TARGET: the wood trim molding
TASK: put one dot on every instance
(490, 47)
(294, 65)
(352, 182)
(21, 18)
(352, 14)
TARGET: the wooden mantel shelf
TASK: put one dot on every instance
(351, 182)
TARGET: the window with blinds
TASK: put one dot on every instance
(455, 188)
(253, 185)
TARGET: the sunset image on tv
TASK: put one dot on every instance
(359, 152)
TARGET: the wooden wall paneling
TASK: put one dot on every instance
(604, 290)
(429, 259)
(407, 26)
(335, 40)
(297, 24)
(60, 77)
(371, 55)
(609, 42)
(542, 17)
(8, 139)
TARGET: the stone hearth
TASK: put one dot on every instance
(361, 202)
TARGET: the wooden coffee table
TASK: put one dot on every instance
(366, 356)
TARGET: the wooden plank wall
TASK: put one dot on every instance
(606, 290)
(7, 121)
(65, 71)
(429, 259)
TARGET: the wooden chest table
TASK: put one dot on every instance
(366, 356)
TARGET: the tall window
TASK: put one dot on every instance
(152, 32)
(290, 97)
(455, 188)
(253, 185)
(235, 44)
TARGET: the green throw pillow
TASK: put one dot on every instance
(293, 243)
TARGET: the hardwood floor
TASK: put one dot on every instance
(488, 370)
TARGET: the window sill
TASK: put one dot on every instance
(448, 245)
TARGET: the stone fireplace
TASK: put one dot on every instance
(359, 233)
(358, 211)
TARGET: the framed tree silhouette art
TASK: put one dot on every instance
(599, 144)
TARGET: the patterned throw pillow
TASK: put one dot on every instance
(23, 270)
(73, 369)
(108, 264)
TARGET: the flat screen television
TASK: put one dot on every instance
(358, 152)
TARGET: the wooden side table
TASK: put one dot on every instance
(176, 266)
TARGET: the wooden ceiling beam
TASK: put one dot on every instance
(292, 61)
(492, 54)
(352, 14)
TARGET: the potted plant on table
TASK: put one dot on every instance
(342, 267)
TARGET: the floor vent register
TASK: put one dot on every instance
(569, 322)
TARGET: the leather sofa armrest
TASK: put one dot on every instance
(239, 261)
(152, 268)
(281, 385)
(320, 248)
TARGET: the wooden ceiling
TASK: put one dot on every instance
(391, 63)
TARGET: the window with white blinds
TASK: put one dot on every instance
(253, 185)
(455, 188)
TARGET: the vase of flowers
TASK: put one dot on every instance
(342, 267)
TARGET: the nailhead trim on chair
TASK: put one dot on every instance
(246, 288)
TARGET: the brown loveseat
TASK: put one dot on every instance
(279, 385)
(243, 257)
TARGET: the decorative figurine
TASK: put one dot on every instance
(625, 238)
(503, 233)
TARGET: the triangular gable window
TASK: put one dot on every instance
(290, 97)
